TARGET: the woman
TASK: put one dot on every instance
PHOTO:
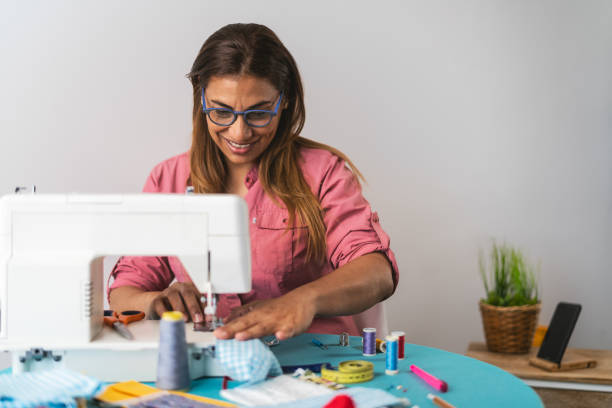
(319, 254)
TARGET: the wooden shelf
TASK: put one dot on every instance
(518, 364)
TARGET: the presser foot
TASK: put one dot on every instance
(209, 325)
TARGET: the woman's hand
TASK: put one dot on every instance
(285, 317)
(350, 289)
(182, 297)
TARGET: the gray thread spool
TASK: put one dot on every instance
(172, 364)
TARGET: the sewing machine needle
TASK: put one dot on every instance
(201, 327)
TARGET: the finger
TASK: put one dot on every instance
(285, 333)
(159, 307)
(229, 330)
(254, 332)
(176, 301)
(192, 302)
(222, 334)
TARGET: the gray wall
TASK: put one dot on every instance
(471, 120)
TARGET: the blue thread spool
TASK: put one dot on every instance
(369, 341)
(391, 358)
(172, 364)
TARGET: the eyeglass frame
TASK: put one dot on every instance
(241, 113)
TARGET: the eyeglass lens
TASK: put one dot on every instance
(226, 117)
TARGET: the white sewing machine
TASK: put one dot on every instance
(51, 275)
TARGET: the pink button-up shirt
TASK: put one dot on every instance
(278, 257)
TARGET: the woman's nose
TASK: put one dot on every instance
(239, 130)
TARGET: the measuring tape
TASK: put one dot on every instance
(352, 371)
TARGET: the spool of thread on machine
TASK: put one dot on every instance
(172, 364)
(369, 341)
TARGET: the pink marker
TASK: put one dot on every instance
(430, 379)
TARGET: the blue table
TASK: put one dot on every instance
(471, 383)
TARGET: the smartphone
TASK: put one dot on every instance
(559, 332)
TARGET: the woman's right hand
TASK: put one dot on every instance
(182, 297)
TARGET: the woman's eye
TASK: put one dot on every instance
(223, 114)
(257, 115)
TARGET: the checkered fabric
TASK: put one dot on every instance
(248, 360)
(56, 387)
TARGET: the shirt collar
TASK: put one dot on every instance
(251, 177)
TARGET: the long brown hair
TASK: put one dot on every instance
(253, 49)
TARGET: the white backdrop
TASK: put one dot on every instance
(471, 120)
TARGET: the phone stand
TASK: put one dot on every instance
(570, 361)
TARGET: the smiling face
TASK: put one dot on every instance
(240, 143)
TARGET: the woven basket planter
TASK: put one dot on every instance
(509, 329)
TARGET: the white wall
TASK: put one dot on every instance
(470, 120)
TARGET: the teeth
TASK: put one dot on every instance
(238, 145)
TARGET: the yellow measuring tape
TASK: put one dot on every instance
(352, 371)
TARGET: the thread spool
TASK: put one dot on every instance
(381, 346)
(172, 364)
(401, 337)
(369, 341)
(391, 357)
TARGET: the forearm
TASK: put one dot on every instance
(352, 288)
(131, 298)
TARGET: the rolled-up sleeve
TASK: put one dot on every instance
(352, 229)
(149, 273)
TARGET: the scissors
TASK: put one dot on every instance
(119, 321)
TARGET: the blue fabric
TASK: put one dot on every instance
(57, 387)
(250, 360)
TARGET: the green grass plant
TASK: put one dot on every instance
(510, 281)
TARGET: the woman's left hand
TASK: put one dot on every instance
(284, 317)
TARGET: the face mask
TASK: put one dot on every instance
(248, 360)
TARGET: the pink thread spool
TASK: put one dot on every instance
(401, 339)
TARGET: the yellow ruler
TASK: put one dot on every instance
(352, 371)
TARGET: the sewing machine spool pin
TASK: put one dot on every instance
(20, 189)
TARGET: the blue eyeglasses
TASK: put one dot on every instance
(252, 117)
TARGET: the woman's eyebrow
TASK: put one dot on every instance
(258, 104)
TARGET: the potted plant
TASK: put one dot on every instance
(511, 306)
